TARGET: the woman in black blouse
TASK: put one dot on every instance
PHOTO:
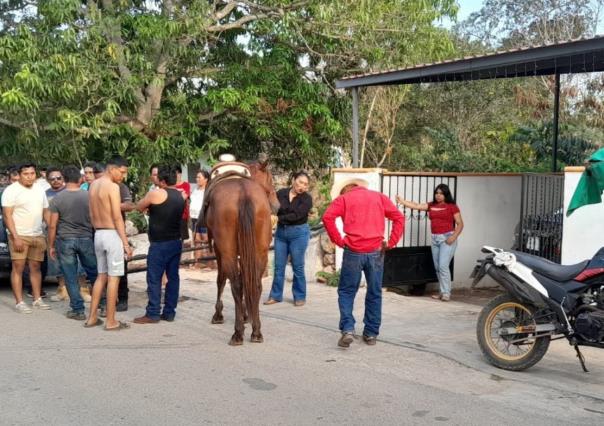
(291, 238)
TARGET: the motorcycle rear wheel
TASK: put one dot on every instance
(514, 352)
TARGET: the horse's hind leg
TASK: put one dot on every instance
(237, 290)
(255, 312)
(220, 283)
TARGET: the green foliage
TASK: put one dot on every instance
(332, 279)
(496, 153)
(575, 142)
(172, 81)
(138, 220)
(321, 200)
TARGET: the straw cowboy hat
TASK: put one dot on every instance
(337, 187)
(227, 157)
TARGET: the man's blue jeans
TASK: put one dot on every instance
(163, 256)
(372, 265)
(69, 252)
(442, 253)
(290, 240)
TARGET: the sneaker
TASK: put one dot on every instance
(22, 308)
(31, 296)
(436, 296)
(121, 306)
(445, 298)
(75, 315)
(346, 340)
(370, 340)
(39, 304)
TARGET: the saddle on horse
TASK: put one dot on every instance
(220, 172)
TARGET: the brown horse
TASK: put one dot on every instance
(239, 223)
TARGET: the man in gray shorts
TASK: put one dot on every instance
(109, 251)
(110, 241)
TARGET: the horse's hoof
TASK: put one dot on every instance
(217, 320)
(257, 339)
(235, 342)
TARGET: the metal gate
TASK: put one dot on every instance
(410, 263)
(539, 230)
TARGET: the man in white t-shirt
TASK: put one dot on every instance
(42, 179)
(25, 206)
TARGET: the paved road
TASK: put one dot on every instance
(426, 369)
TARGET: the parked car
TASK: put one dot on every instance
(5, 263)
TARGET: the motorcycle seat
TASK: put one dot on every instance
(554, 271)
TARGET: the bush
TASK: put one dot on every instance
(138, 220)
(331, 278)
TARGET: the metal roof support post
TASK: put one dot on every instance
(556, 116)
(355, 127)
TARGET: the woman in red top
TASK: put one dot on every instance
(446, 225)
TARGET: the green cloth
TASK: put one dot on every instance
(590, 187)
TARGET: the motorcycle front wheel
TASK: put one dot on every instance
(510, 351)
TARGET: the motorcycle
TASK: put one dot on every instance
(544, 301)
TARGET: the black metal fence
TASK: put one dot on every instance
(410, 263)
(539, 230)
(418, 188)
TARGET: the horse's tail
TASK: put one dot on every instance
(246, 240)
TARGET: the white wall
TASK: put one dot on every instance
(583, 231)
(490, 208)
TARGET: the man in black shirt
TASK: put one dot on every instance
(166, 206)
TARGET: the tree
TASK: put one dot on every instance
(174, 79)
(514, 23)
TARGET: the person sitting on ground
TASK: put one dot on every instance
(446, 225)
(110, 242)
(363, 212)
(70, 238)
(165, 206)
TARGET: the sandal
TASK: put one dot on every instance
(97, 323)
(121, 326)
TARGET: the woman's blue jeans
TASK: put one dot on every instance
(442, 253)
(353, 265)
(290, 240)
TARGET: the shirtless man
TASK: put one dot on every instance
(110, 242)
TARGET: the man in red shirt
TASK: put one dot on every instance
(185, 189)
(362, 212)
